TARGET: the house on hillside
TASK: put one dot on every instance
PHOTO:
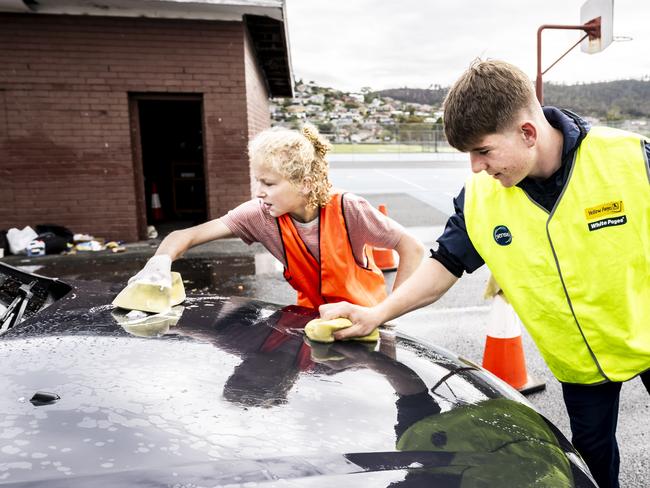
(102, 101)
(317, 99)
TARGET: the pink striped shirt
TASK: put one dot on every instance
(251, 222)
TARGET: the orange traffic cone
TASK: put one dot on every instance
(384, 258)
(156, 208)
(504, 351)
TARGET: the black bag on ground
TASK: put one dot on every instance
(4, 243)
(53, 244)
(57, 230)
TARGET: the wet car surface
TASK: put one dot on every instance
(228, 392)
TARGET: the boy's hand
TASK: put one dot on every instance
(364, 319)
(157, 271)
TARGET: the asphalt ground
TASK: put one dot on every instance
(458, 321)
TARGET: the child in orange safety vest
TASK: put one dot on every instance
(319, 235)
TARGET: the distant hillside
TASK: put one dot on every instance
(416, 95)
(611, 100)
(607, 100)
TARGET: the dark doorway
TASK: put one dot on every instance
(171, 138)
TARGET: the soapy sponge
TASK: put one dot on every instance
(321, 330)
(151, 298)
(143, 324)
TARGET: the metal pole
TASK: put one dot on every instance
(592, 28)
(435, 138)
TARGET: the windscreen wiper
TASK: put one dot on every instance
(14, 313)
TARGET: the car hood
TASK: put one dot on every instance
(228, 391)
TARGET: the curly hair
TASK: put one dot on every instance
(298, 156)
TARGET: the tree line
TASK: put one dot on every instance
(611, 100)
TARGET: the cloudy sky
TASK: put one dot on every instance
(349, 44)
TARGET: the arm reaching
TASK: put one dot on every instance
(410, 252)
(426, 285)
(179, 241)
(157, 271)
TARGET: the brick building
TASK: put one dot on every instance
(98, 103)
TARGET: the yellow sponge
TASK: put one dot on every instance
(177, 295)
(147, 325)
(321, 330)
(151, 298)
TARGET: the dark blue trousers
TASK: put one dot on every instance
(593, 413)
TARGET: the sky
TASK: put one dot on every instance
(351, 44)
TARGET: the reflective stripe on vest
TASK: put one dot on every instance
(578, 278)
(338, 277)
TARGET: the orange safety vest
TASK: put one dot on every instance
(281, 333)
(338, 277)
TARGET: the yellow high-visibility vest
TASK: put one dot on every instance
(579, 277)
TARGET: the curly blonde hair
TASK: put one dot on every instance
(298, 156)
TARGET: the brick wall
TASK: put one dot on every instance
(65, 138)
(257, 104)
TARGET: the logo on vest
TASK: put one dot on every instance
(599, 224)
(502, 235)
(600, 211)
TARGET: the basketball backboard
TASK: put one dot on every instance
(591, 11)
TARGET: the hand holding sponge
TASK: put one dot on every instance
(321, 330)
(155, 288)
(152, 298)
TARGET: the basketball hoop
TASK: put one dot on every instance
(597, 17)
(600, 13)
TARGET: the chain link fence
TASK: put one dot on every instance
(428, 138)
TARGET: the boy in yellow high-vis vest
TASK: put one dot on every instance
(560, 213)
